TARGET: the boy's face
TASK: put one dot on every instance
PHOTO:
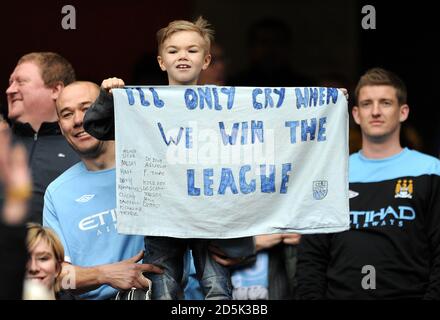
(378, 112)
(183, 57)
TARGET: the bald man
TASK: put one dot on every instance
(80, 206)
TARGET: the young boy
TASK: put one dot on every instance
(183, 52)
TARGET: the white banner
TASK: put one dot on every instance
(227, 162)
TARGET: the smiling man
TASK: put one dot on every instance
(80, 206)
(34, 86)
(392, 250)
(72, 105)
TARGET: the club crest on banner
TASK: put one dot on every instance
(320, 189)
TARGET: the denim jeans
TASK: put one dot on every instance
(168, 253)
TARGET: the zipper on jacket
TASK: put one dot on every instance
(31, 153)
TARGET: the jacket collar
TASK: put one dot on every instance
(46, 129)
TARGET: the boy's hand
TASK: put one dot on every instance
(110, 83)
(345, 92)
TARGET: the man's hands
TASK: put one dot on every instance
(266, 241)
(291, 238)
(127, 274)
(222, 259)
(262, 242)
(111, 83)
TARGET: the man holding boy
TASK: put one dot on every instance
(184, 51)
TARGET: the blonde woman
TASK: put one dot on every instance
(46, 255)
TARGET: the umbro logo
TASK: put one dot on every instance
(85, 198)
(352, 194)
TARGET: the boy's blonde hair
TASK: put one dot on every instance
(201, 26)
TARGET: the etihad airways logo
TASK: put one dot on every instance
(85, 198)
(383, 217)
(100, 222)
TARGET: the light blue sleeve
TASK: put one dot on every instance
(50, 220)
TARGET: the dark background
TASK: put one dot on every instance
(114, 38)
